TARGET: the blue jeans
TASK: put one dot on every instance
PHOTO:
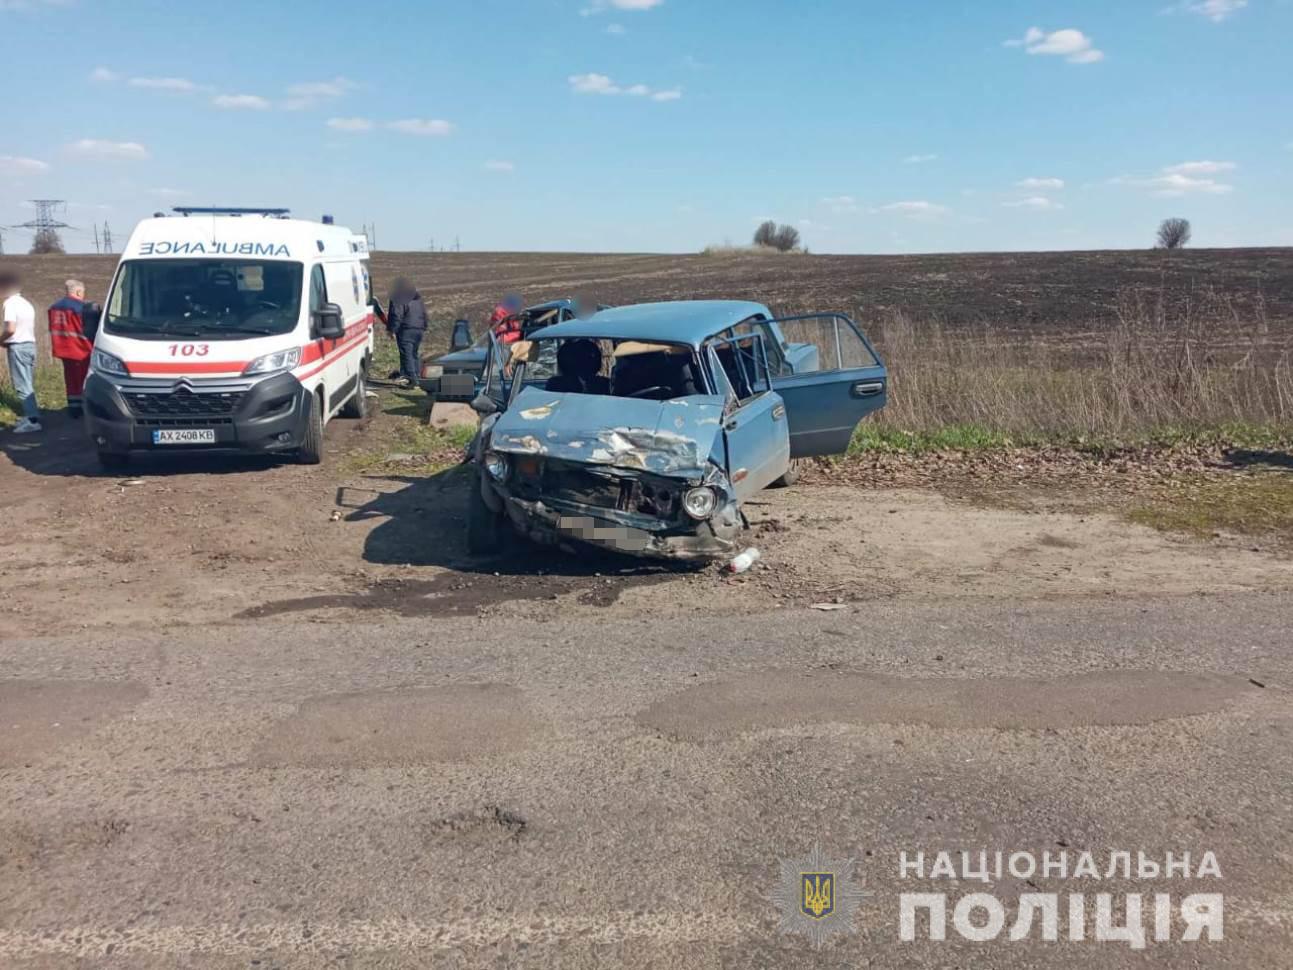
(22, 371)
(409, 341)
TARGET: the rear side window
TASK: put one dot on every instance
(318, 289)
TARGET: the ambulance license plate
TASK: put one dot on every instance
(184, 436)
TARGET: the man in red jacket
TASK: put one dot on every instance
(70, 343)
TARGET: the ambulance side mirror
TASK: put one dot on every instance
(328, 323)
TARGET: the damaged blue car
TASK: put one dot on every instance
(642, 429)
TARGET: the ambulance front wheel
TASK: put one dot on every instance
(113, 460)
(311, 450)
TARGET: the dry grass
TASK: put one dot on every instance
(1154, 371)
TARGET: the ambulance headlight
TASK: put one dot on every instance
(700, 502)
(104, 363)
(275, 362)
(496, 465)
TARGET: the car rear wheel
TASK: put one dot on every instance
(311, 450)
(357, 406)
(486, 530)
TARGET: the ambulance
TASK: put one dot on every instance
(230, 329)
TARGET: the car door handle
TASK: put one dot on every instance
(731, 425)
(867, 388)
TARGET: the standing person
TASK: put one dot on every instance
(70, 343)
(18, 337)
(407, 321)
(506, 321)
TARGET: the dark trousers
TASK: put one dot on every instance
(409, 341)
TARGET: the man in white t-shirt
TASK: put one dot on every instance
(18, 337)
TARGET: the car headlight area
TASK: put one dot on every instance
(496, 465)
(699, 502)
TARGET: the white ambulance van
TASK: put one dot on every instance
(230, 330)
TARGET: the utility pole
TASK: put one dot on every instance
(432, 244)
(457, 247)
(107, 238)
(1, 242)
(97, 250)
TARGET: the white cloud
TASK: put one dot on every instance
(350, 124)
(163, 83)
(18, 165)
(1069, 43)
(1040, 184)
(241, 102)
(918, 209)
(494, 165)
(322, 89)
(103, 75)
(594, 83)
(1186, 178)
(308, 93)
(426, 127)
(1038, 202)
(601, 6)
(1200, 168)
(616, 29)
(99, 148)
(1216, 10)
(919, 159)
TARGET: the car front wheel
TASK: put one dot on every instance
(486, 529)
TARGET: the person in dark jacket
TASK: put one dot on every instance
(406, 319)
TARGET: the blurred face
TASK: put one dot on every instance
(77, 293)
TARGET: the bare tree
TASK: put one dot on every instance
(766, 234)
(783, 238)
(1173, 234)
(786, 239)
(47, 242)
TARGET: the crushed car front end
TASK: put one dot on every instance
(645, 483)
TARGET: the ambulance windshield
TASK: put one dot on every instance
(231, 298)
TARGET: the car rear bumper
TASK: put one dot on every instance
(253, 417)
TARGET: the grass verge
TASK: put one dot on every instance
(1249, 505)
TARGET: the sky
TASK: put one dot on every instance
(661, 125)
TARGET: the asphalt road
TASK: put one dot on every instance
(596, 791)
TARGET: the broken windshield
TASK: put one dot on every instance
(616, 368)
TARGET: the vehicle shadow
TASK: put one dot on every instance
(426, 525)
(1245, 458)
(63, 449)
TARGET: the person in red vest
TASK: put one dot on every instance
(506, 321)
(70, 343)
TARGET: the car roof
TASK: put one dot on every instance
(550, 305)
(680, 321)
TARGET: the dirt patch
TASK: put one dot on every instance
(38, 716)
(417, 725)
(488, 824)
(781, 699)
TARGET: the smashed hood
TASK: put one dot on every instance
(663, 437)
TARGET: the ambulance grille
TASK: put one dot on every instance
(182, 403)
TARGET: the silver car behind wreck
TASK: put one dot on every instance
(643, 429)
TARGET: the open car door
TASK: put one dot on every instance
(825, 404)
